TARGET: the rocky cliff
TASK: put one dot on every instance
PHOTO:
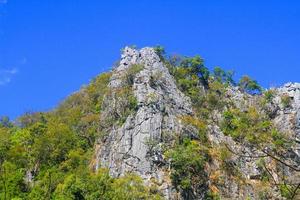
(138, 144)
(159, 104)
(158, 127)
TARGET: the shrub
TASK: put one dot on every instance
(196, 66)
(187, 163)
(12, 181)
(5, 122)
(285, 191)
(131, 72)
(249, 85)
(253, 127)
(200, 125)
(160, 51)
(223, 76)
(269, 95)
(285, 100)
(125, 104)
(130, 187)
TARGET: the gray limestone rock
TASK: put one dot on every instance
(127, 147)
(136, 145)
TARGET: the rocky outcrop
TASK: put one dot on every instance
(135, 146)
(288, 117)
(246, 158)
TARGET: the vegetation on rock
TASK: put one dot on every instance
(48, 155)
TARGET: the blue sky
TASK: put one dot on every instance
(50, 48)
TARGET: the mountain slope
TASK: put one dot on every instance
(158, 127)
(139, 145)
(159, 103)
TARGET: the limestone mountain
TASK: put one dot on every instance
(158, 127)
(160, 113)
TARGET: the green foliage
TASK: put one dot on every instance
(215, 96)
(4, 143)
(125, 101)
(195, 65)
(207, 94)
(160, 51)
(5, 122)
(186, 81)
(85, 185)
(193, 78)
(253, 127)
(130, 187)
(212, 196)
(11, 181)
(48, 155)
(269, 95)
(130, 104)
(223, 76)
(81, 111)
(199, 124)
(249, 85)
(225, 154)
(285, 101)
(187, 162)
(131, 72)
(285, 191)
(190, 74)
(101, 186)
(264, 175)
(48, 179)
(125, 104)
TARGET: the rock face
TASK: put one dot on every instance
(288, 118)
(135, 146)
(127, 148)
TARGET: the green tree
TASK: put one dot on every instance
(160, 51)
(5, 143)
(130, 187)
(249, 85)
(196, 66)
(187, 162)
(223, 76)
(11, 181)
(5, 122)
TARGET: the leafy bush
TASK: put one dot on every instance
(160, 51)
(12, 181)
(131, 72)
(269, 95)
(125, 104)
(285, 191)
(285, 100)
(200, 125)
(102, 186)
(53, 149)
(253, 127)
(5, 122)
(223, 76)
(195, 65)
(249, 85)
(131, 187)
(187, 163)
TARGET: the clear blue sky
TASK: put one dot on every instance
(49, 48)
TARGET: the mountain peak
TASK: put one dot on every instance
(160, 128)
(159, 105)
